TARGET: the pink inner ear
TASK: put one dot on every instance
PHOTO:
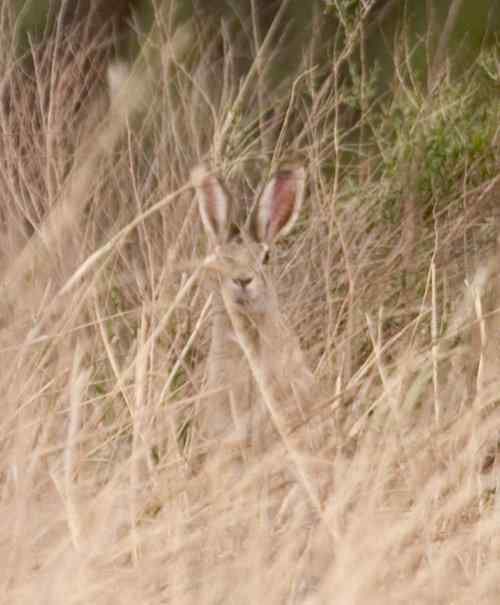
(213, 205)
(283, 204)
(214, 210)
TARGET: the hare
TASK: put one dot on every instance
(258, 383)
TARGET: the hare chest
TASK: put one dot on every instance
(244, 408)
(233, 415)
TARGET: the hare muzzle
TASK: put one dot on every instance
(243, 282)
(243, 289)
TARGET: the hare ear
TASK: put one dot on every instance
(213, 203)
(279, 205)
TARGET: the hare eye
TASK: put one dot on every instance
(265, 258)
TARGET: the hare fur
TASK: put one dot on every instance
(252, 349)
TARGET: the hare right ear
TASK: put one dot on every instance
(279, 205)
(213, 203)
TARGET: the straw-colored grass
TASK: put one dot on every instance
(104, 331)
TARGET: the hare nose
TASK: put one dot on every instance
(243, 281)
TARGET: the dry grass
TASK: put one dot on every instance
(104, 329)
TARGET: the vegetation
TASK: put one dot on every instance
(391, 282)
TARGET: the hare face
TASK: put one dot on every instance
(239, 260)
(243, 275)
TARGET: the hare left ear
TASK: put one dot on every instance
(214, 204)
(279, 205)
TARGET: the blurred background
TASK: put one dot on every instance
(469, 26)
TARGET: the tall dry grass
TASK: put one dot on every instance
(104, 328)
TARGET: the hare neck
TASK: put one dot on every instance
(258, 329)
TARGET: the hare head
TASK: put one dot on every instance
(241, 251)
